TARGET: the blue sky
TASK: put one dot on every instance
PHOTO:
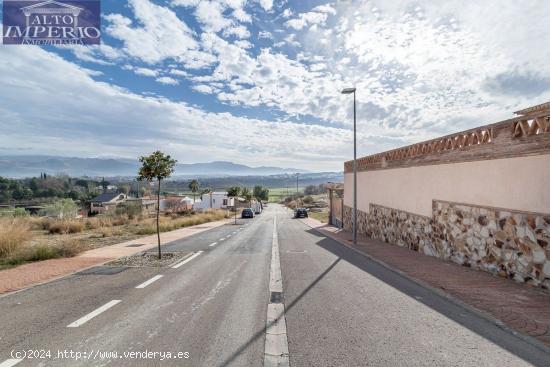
(257, 81)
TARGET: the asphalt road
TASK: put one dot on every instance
(341, 310)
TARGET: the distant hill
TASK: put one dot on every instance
(32, 165)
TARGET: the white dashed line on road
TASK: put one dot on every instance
(276, 342)
(152, 280)
(95, 313)
(187, 260)
(213, 244)
(222, 239)
(10, 362)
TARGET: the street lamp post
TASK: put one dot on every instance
(354, 213)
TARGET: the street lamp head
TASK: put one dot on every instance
(348, 90)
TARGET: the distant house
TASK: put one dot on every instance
(174, 204)
(106, 202)
(214, 200)
(147, 204)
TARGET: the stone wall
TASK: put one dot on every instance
(508, 243)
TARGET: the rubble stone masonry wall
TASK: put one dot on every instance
(508, 243)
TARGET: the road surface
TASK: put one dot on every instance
(211, 310)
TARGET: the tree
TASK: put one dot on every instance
(233, 192)
(157, 166)
(62, 209)
(261, 193)
(246, 194)
(194, 187)
(104, 184)
(124, 189)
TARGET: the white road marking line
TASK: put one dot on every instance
(93, 314)
(10, 362)
(276, 342)
(187, 260)
(234, 232)
(222, 239)
(146, 283)
(213, 244)
(228, 236)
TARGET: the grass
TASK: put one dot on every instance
(320, 216)
(169, 224)
(24, 240)
(41, 252)
(14, 233)
(278, 194)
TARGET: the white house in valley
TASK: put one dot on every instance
(214, 200)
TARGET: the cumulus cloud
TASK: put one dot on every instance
(92, 122)
(421, 69)
(159, 34)
(167, 80)
(145, 71)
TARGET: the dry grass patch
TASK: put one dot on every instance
(66, 226)
(14, 233)
(168, 224)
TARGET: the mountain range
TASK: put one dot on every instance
(33, 165)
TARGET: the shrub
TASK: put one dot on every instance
(70, 247)
(75, 226)
(64, 208)
(13, 236)
(119, 220)
(93, 223)
(307, 200)
(105, 232)
(65, 226)
(58, 227)
(131, 210)
(20, 212)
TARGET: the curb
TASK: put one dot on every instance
(457, 302)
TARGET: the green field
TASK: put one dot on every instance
(278, 194)
(275, 194)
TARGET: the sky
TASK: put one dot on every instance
(258, 82)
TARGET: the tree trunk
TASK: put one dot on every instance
(158, 216)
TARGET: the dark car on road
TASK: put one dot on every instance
(247, 213)
(300, 213)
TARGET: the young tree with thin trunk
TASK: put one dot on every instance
(233, 192)
(157, 166)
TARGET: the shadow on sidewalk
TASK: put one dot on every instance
(442, 305)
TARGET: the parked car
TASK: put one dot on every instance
(247, 213)
(300, 213)
(256, 207)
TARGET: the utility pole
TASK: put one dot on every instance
(297, 175)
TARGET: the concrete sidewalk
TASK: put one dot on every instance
(514, 306)
(44, 271)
